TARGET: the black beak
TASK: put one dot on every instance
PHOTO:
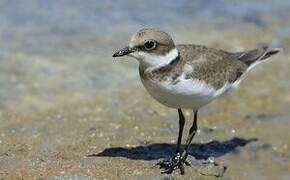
(125, 51)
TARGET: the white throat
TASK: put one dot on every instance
(154, 61)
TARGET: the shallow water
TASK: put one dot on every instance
(62, 96)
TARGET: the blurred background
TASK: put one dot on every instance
(62, 95)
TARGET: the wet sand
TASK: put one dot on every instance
(70, 111)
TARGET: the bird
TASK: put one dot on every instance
(187, 76)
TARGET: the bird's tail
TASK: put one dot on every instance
(254, 56)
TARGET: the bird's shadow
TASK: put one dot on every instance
(164, 151)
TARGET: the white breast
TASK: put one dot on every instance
(186, 93)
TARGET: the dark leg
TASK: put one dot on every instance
(190, 136)
(178, 160)
(167, 163)
(181, 125)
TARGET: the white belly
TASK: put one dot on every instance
(187, 93)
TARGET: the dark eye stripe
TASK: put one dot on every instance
(142, 48)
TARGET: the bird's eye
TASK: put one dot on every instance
(150, 44)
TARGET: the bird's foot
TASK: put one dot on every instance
(177, 162)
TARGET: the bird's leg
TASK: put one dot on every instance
(181, 125)
(179, 160)
(190, 136)
(168, 163)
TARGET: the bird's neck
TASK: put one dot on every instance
(149, 72)
(152, 62)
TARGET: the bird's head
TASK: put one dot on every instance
(151, 47)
